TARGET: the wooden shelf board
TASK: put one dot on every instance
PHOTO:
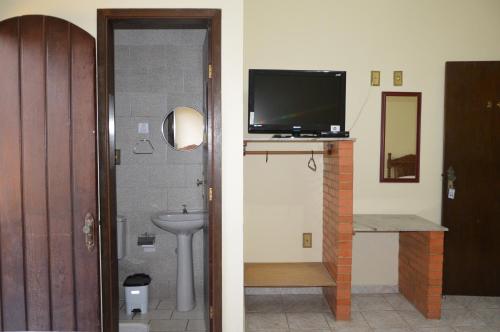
(297, 140)
(287, 275)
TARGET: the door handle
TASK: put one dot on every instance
(88, 231)
(451, 177)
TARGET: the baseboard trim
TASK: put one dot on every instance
(355, 289)
(374, 289)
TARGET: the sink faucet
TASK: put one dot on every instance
(184, 209)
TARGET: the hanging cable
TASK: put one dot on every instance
(361, 109)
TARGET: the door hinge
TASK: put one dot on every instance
(211, 312)
(118, 157)
(210, 194)
(210, 71)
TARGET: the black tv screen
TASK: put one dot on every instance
(296, 101)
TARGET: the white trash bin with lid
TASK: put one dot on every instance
(136, 292)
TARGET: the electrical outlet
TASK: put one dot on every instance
(398, 78)
(306, 240)
(375, 78)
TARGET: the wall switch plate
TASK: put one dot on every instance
(375, 78)
(143, 128)
(398, 78)
(307, 240)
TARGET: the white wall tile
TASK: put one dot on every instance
(156, 71)
(192, 197)
(136, 176)
(148, 55)
(122, 56)
(193, 172)
(160, 37)
(168, 176)
(176, 99)
(185, 157)
(122, 105)
(149, 104)
(193, 82)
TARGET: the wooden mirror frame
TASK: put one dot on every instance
(386, 94)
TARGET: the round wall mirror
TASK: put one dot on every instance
(183, 128)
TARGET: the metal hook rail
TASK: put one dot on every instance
(329, 151)
(278, 152)
(311, 164)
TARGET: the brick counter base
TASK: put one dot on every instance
(337, 225)
(421, 270)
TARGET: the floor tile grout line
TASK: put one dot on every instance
(408, 325)
(364, 318)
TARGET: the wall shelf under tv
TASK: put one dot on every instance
(298, 139)
(291, 140)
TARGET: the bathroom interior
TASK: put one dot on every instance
(160, 125)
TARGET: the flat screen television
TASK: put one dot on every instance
(296, 102)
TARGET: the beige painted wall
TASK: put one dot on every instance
(83, 14)
(358, 36)
(283, 199)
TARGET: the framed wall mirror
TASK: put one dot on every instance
(400, 137)
(183, 128)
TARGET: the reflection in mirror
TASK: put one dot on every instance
(400, 146)
(183, 128)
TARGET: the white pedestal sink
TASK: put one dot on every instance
(183, 225)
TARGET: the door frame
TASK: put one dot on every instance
(107, 21)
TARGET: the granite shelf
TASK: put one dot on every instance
(394, 223)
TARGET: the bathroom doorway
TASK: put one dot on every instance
(156, 69)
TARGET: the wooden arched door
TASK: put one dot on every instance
(49, 275)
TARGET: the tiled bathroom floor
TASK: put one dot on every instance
(162, 317)
(370, 313)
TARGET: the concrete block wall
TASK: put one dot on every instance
(156, 71)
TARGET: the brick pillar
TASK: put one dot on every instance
(337, 224)
(421, 270)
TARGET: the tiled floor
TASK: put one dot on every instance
(370, 313)
(162, 317)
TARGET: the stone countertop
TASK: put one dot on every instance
(394, 223)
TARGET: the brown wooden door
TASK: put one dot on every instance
(49, 279)
(472, 149)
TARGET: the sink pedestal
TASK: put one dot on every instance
(185, 279)
(183, 225)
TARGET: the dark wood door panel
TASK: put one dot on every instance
(59, 173)
(11, 214)
(84, 179)
(34, 203)
(472, 148)
(49, 279)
